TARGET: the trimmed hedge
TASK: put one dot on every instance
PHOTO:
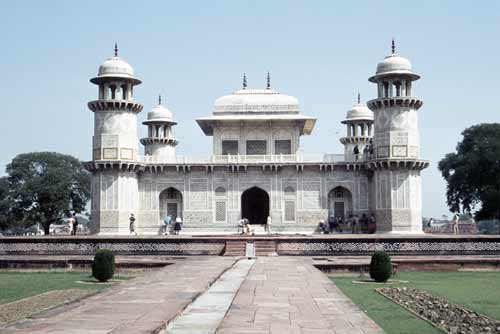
(380, 267)
(103, 266)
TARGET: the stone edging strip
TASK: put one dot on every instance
(449, 328)
(207, 311)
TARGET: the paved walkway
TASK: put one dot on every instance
(288, 295)
(267, 296)
(141, 305)
(206, 313)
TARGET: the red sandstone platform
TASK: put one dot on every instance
(298, 245)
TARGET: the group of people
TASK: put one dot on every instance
(367, 151)
(244, 226)
(354, 224)
(177, 225)
(170, 226)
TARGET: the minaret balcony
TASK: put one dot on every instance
(395, 163)
(159, 140)
(394, 102)
(104, 105)
(355, 140)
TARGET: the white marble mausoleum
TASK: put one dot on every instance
(256, 167)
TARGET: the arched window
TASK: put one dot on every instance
(220, 191)
(339, 192)
(112, 89)
(101, 92)
(124, 91)
(386, 89)
(408, 88)
(397, 86)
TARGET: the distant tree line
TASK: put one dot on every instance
(42, 188)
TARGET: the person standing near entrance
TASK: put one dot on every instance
(354, 224)
(177, 225)
(332, 222)
(168, 223)
(71, 223)
(131, 225)
(268, 225)
(246, 226)
(75, 225)
(241, 226)
(456, 217)
(372, 224)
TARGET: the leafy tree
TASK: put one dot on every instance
(473, 172)
(6, 204)
(43, 187)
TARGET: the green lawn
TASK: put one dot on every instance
(18, 285)
(479, 291)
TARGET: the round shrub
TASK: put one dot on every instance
(103, 266)
(380, 267)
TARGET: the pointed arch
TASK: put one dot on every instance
(171, 202)
(255, 205)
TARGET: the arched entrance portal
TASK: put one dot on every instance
(255, 205)
(339, 202)
(170, 203)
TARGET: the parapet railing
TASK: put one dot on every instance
(243, 159)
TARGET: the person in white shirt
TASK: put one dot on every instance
(268, 225)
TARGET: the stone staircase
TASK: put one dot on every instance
(250, 248)
(235, 248)
(265, 248)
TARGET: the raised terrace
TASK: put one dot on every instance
(323, 245)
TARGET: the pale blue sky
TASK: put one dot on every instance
(195, 51)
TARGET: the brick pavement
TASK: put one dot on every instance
(288, 295)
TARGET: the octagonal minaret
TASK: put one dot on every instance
(160, 143)
(359, 122)
(114, 180)
(396, 142)
(115, 112)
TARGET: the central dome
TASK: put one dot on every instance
(255, 101)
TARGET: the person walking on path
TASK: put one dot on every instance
(268, 225)
(455, 224)
(177, 225)
(168, 224)
(75, 225)
(131, 225)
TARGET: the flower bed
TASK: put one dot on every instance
(440, 312)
